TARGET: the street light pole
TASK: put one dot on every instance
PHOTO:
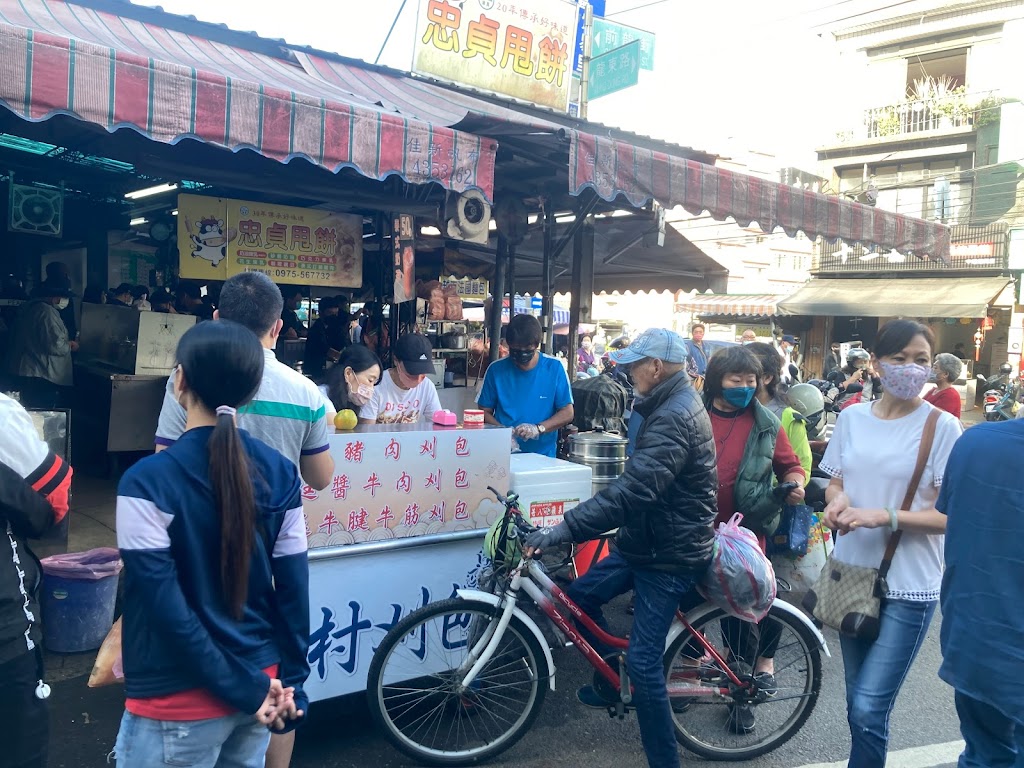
(588, 33)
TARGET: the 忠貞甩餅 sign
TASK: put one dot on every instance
(220, 237)
(518, 49)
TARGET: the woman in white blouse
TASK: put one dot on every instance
(871, 458)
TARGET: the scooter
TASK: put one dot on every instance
(1001, 405)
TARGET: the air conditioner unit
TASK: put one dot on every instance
(38, 210)
(468, 217)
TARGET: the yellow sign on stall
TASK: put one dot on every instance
(220, 237)
(522, 49)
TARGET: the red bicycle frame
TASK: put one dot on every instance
(547, 589)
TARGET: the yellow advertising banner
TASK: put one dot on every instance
(220, 237)
(519, 49)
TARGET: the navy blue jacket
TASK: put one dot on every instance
(178, 631)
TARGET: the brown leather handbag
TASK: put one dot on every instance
(847, 597)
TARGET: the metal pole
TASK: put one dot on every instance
(498, 297)
(547, 284)
(582, 286)
(510, 279)
(588, 34)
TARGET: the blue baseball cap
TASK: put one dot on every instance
(656, 343)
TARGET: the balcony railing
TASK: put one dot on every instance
(953, 112)
(973, 248)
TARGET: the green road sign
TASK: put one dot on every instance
(608, 36)
(615, 70)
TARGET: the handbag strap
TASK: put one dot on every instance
(927, 438)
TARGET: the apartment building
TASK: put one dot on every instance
(930, 125)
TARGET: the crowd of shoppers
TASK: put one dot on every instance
(698, 458)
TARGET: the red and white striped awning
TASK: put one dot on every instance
(613, 168)
(59, 57)
(739, 305)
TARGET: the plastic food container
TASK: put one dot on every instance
(473, 418)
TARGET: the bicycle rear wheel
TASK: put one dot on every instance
(415, 690)
(708, 724)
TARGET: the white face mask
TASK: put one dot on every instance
(62, 304)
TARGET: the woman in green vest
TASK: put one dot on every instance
(754, 454)
(793, 423)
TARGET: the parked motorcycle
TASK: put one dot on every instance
(1001, 401)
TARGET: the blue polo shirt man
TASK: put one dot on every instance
(527, 390)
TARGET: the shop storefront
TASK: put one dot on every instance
(970, 316)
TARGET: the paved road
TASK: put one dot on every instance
(340, 735)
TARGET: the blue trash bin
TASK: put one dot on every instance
(78, 595)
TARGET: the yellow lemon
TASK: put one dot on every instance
(345, 420)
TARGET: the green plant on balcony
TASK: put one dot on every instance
(987, 112)
(887, 121)
(943, 97)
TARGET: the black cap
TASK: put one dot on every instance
(416, 354)
(123, 288)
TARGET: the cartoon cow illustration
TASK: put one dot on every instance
(210, 240)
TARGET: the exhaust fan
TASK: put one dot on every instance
(468, 217)
(38, 210)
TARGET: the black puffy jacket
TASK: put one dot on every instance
(665, 503)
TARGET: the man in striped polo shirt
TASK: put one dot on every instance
(287, 413)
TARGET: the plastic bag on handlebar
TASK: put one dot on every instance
(740, 579)
(502, 544)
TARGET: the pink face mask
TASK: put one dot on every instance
(358, 394)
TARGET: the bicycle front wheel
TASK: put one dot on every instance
(715, 720)
(416, 693)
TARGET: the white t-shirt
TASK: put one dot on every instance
(391, 405)
(875, 459)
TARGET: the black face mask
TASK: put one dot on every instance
(522, 356)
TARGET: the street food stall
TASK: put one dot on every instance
(402, 525)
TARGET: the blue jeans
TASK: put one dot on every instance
(234, 741)
(657, 595)
(993, 739)
(875, 671)
(609, 578)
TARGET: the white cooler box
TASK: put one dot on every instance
(548, 487)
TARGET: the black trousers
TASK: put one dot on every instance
(24, 719)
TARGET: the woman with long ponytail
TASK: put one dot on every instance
(216, 606)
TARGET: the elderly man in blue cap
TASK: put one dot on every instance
(663, 506)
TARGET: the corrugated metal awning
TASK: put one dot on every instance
(910, 297)
(739, 305)
(58, 57)
(613, 168)
(615, 165)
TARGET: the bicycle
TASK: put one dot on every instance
(461, 680)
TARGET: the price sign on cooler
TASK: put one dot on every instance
(393, 483)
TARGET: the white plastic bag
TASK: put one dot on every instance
(740, 579)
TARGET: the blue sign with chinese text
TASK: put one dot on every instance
(581, 21)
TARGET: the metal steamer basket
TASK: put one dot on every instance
(604, 452)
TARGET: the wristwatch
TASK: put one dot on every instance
(541, 428)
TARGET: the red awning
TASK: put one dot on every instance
(60, 58)
(612, 168)
(740, 305)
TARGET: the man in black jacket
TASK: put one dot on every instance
(664, 506)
